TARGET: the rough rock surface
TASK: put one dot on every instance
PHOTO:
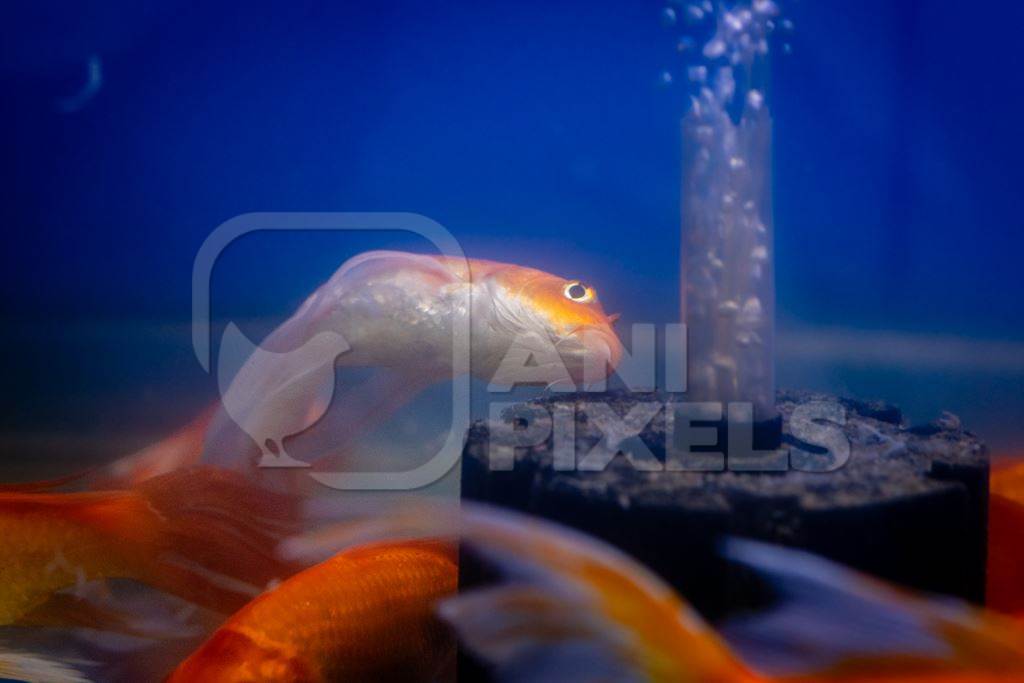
(909, 505)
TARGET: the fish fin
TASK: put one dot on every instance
(525, 632)
(44, 484)
(17, 665)
(216, 535)
(99, 612)
(72, 611)
(564, 596)
(181, 449)
(203, 534)
(837, 623)
(369, 404)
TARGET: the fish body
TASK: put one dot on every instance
(399, 309)
(366, 614)
(188, 533)
(407, 318)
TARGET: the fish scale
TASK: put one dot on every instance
(366, 614)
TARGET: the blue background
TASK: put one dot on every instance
(536, 132)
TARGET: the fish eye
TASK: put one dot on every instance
(578, 292)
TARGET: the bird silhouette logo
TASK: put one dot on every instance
(275, 395)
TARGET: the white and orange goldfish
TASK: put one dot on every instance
(397, 313)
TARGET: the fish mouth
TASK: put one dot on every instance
(594, 354)
(610, 347)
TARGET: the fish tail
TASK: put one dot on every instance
(830, 623)
(215, 535)
(631, 625)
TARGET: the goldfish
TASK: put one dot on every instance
(197, 533)
(1005, 586)
(366, 614)
(379, 602)
(573, 607)
(401, 315)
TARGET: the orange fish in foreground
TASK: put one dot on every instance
(198, 533)
(570, 607)
(367, 614)
(576, 609)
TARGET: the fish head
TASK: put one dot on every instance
(559, 320)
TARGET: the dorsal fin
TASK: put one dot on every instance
(832, 623)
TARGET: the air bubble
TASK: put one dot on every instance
(695, 13)
(697, 74)
(751, 313)
(728, 308)
(668, 17)
(755, 99)
(715, 48)
(725, 85)
(749, 339)
(665, 78)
